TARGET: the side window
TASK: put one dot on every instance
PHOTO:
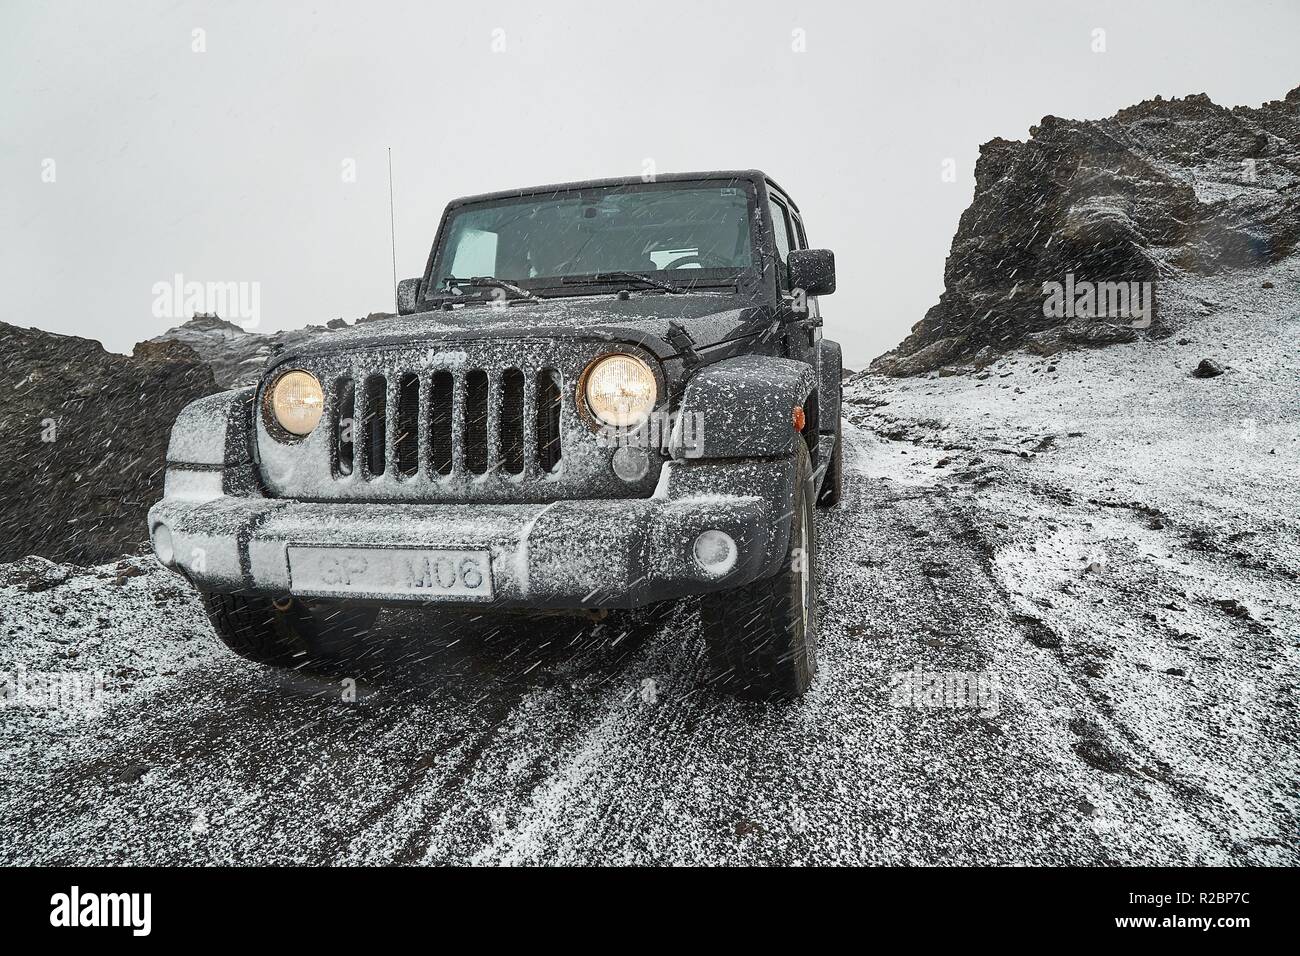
(781, 228)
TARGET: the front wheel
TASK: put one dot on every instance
(287, 632)
(762, 637)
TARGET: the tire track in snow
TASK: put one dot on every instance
(486, 743)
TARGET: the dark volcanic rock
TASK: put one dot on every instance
(237, 357)
(34, 574)
(1161, 188)
(1037, 632)
(83, 434)
(1207, 369)
(234, 355)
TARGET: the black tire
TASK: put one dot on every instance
(833, 482)
(762, 637)
(287, 632)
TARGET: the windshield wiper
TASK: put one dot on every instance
(490, 282)
(605, 278)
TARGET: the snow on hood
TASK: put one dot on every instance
(640, 319)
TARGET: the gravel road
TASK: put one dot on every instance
(578, 744)
(1052, 633)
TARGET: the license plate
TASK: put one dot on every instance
(437, 574)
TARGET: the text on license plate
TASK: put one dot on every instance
(415, 572)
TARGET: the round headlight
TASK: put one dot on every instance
(620, 390)
(297, 402)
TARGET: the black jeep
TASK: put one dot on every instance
(598, 395)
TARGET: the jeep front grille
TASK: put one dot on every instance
(445, 425)
(483, 421)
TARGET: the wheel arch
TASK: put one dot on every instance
(745, 407)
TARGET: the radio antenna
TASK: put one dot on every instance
(392, 227)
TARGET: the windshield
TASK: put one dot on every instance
(679, 233)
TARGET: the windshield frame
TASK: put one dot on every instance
(739, 279)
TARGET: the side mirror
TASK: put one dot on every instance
(408, 294)
(812, 270)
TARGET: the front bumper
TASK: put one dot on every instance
(567, 554)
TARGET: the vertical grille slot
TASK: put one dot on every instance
(476, 422)
(374, 426)
(345, 401)
(548, 419)
(440, 421)
(446, 425)
(406, 441)
(512, 421)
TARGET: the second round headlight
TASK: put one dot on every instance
(297, 402)
(620, 390)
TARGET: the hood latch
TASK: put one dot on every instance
(683, 342)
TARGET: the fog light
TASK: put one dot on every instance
(715, 552)
(163, 548)
(630, 464)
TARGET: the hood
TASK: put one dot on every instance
(644, 320)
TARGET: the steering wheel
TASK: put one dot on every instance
(705, 260)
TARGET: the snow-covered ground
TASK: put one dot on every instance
(1105, 546)
(1142, 526)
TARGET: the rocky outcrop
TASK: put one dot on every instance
(83, 432)
(236, 356)
(83, 437)
(1161, 188)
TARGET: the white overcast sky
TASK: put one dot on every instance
(226, 165)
